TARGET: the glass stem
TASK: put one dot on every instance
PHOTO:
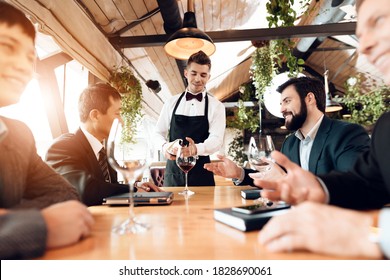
(131, 200)
(186, 177)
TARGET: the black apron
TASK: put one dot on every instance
(197, 128)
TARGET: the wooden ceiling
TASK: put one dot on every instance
(102, 34)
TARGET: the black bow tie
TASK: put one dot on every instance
(190, 96)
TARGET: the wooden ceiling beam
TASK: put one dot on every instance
(323, 30)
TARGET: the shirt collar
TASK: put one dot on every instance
(312, 133)
(93, 141)
(3, 130)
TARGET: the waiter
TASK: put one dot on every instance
(195, 116)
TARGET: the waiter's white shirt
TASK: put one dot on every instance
(191, 108)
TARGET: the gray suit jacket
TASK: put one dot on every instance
(26, 182)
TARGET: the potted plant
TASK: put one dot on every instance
(123, 79)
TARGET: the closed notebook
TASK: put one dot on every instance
(245, 222)
(251, 193)
(140, 198)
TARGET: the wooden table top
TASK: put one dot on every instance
(184, 230)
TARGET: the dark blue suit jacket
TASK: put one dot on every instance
(336, 146)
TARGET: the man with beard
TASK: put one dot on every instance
(319, 144)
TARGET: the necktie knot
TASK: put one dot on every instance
(190, 96)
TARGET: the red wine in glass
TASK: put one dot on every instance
(185, 162)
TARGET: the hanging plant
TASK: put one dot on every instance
(281, 14)
(244, 119)
(270, 56)
(123, 79)
(263, 68)
(365, 100)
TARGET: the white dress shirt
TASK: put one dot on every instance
(306, 143)
(384, 236)
(93, 141)
(191, 108)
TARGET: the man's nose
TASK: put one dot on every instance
(366, 42)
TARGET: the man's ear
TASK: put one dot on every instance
(311, 98)
(93, 114)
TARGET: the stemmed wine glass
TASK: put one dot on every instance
(185, 161)
(130, 159)
(257, 152)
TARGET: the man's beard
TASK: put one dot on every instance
(297, 121)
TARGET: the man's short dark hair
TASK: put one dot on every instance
(96, 96)
(304, 85)
(12, 16)
(200, 58)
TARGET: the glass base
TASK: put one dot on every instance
(130, 226)
(187, 192)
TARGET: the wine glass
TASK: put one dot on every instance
(130, 159)
(185, 161)
(258, 152)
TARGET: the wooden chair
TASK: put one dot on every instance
(157, 171)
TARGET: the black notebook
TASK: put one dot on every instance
(245, 222)
(251, 193)
(140, 198)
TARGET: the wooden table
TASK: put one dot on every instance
(184, 230)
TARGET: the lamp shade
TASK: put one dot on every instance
(331, 106)
(189, 40)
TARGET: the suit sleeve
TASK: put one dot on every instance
(23, 234)
(353, 141)
(71, 161)
(367, 185)
(247, 180)
(42, 185)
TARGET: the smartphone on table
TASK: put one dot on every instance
(261, 207)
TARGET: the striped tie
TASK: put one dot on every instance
(104, 164)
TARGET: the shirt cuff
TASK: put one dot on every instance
(200, 149)
(238, 181)
(384, 226)
(325, 189)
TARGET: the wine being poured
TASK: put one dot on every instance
(185, 161)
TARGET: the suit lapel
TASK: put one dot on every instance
(91, 157)
(318, 144)
(86, 146)
(295, 151)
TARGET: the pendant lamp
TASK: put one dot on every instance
(189, 39)
(331, 106)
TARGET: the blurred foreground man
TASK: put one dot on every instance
(27, 184)
(327, 229)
